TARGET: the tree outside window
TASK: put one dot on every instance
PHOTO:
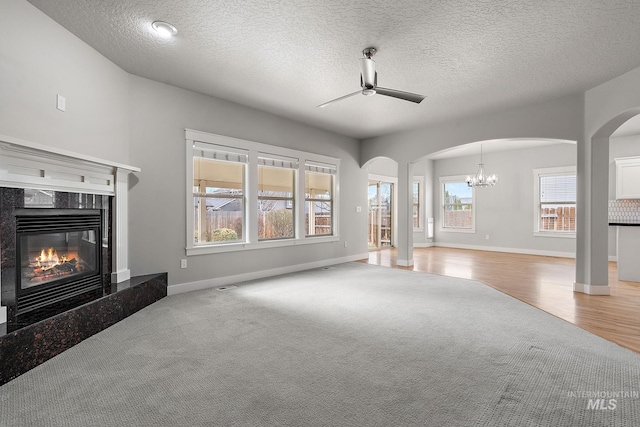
(457, 205)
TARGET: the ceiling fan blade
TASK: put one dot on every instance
(407, 96)
(368, 70)
(338, 99)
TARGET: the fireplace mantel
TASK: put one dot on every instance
(25, 164)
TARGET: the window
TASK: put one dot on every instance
(276, 198)
(318, 193)
(417, 203)
(218, 194)
(457, 205)
(555, 201)
(246, 195)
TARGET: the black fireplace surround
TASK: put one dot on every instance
(57, 256)
(55, 252)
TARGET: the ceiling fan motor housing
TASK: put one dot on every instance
(369, 82)
(369, 52)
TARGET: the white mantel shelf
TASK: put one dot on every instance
(26, 164)
(64, 153)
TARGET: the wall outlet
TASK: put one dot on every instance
(358, 209)
(486, 237)
(183, 263)
(346, 244)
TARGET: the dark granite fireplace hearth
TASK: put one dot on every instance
(29, 346)
(55, 274)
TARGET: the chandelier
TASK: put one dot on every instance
(481, 179)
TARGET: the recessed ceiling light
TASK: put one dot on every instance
(164, 29)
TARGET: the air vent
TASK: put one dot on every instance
(226, 288)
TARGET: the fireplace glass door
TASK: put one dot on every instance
(54, 256)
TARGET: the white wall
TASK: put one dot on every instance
(505, 212)
(159, 115)
(560, 118)
(383, 166)
(424, 168)
(38, 60)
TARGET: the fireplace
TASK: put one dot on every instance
(57, 255)
(64, 268)
(55, 252)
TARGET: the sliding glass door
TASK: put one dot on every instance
(380, 214)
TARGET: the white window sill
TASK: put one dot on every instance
(457, 230)
(235, 247)
(554, 235)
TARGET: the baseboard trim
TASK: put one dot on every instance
(404, 262)
(120, 276)
(613, 258)
(508, 250)
(228, 280)
(592, 289)
(423, 245)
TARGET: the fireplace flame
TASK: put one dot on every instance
(49, 259)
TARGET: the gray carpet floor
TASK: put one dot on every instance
(350, 345)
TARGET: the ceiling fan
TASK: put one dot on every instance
(369, 82)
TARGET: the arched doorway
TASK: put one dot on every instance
(593, 178)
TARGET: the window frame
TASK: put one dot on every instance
(311, 168)
(268, 160)
(203, 195)
(421, 193)
(554, 171)
(257, 150)
(456, 179)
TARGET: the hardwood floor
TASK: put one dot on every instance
(543, 282)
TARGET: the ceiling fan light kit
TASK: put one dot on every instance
(369, 82)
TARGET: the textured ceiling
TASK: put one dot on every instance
(287, 56)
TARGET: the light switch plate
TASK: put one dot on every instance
(61, 103)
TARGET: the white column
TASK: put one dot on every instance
(592, 275)
(3, 314)
(405, 214)
(120, 228)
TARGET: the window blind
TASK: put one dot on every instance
(320, 167)
(276, 161)
(558, 188)
(220, 152)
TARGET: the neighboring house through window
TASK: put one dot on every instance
(246, 195)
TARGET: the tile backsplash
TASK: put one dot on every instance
(624, 211)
